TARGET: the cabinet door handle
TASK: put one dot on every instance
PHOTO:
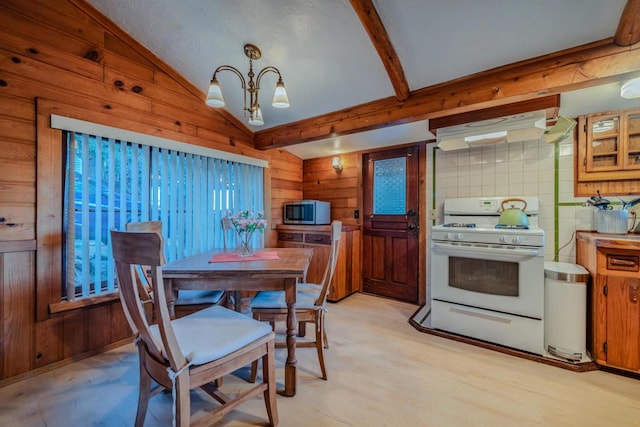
(633, 293)
(622, 262)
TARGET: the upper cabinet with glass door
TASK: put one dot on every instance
(609, 146)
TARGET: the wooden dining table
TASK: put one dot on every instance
(269, 269)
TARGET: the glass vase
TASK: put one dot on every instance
(244, 244)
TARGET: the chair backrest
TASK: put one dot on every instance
(227, 225)
(131, 250)
(148, 227)
(143, 281)
(336, 233)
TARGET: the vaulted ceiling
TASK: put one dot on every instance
(356, 67)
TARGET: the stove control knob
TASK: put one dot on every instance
(459, 236)
(504, 239)
(517, 239)
(449, 236)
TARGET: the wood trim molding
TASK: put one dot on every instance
(628, 31)
(17, 246)
(48, 211)
(583, 66)
(64, 306)
(371, 22)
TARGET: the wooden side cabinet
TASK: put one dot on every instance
(614, 299)
(347, 277)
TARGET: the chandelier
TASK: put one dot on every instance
(252, 112)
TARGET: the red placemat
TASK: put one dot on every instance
(234, 257)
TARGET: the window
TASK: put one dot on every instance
(110, 182)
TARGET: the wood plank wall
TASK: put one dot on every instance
(343, 189)
(54, 51)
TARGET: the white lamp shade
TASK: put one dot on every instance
(631, 89)
(257, 119)
(280, 98)
(214, 96)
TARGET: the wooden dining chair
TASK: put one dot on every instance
(187, 301)
(193, 351)
(311, 300)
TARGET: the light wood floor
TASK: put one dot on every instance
(382, 372)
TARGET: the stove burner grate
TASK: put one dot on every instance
(512, 227)
(459, 225)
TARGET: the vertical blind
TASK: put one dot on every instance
(111, 182)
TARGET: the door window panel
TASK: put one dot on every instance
(390, 186)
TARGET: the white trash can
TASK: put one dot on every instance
(565, 311)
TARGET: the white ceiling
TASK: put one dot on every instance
(328, 62)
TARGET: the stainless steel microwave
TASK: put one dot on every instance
(310, 212)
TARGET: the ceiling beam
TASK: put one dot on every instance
(371, 21)
(628, 31)
(576, 68)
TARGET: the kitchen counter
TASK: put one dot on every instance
(613, 241)
(311, 228)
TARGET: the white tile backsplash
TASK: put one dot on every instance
(520, 168)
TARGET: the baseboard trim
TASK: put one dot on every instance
(575, 367)
(50, 367)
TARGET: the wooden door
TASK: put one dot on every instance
(391, 223)
(623, 323)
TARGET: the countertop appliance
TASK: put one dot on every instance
(489, 279)
(307, 212)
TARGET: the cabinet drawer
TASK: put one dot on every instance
(622, 262)
(322, 239)
(290, 237)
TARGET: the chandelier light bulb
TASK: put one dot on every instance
(280, 98)
(256, 118)
(214, 96)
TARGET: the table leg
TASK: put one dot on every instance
(290, 369)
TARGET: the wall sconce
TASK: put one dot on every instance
(336, 164)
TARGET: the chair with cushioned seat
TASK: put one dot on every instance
(188, 301)
(310, 304)
(193, 351)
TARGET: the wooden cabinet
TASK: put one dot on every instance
(609, 146)
(614, 327)
(347, 277)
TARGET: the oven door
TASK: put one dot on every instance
(508, 279)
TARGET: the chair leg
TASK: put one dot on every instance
(183, 400)
(254, 371)
(302, 329)
(319, 345)
(325, 340)
(254, 364)
(269, 377)
(144, 392)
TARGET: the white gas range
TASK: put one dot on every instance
(486, 282)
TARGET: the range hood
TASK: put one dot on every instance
(517, 127)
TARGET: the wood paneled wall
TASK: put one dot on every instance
(343, 189)
(66, 58)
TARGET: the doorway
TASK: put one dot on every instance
(391, 223)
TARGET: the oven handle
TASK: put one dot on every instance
(484, 250)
